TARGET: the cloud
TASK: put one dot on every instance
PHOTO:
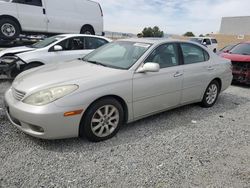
(172, 16)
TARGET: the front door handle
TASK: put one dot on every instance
(178, 74)
(210, 68)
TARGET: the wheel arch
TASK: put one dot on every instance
(12, 18)
(219, 81)
(88, 25)
(116, 97)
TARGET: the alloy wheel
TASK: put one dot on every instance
(105, 120)
(211, 94)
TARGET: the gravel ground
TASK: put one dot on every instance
(166, 150)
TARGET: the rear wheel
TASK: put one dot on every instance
(211, 95)
(9, 29)
(87, 30)
(102, 120)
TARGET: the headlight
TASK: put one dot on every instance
(47, 96)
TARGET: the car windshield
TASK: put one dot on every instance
(120, 55)
(243, 49)
(46, 42)
(198, 40)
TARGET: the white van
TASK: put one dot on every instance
(49, 16)
(211, 43)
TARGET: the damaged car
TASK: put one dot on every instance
(60, 48)
(240, 57)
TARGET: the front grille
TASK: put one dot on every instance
(241, 66)
(18, 95)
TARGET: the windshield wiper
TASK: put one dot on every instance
(97, 63)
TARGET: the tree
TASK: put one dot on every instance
(152, 32)
(201, 35)
(189, 34)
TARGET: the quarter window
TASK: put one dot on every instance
(193, 54)
(29, 2)
(165, 55)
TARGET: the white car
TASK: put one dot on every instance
(209, 42)
(49, 16)
(118, 83)
(58, 48)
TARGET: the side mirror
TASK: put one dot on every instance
(204, 43)
(149, 67)
(58, 48)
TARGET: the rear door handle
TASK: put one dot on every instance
(178, 74)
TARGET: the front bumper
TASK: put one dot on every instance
(242, 76)
(45, 122)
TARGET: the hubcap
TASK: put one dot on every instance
(105, 121)
(211, 94)
(8, 30)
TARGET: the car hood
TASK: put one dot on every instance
(75, 72)
(16, 50)
(236, 57)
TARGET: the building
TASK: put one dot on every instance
(235, 25)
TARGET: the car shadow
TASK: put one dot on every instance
(151, 126)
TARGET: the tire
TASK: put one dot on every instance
(211, 94)
(9, 29)
(97, 128)
(87, 30)
(32, 65)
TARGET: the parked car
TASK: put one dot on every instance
(120, 82)
(226, 49)
(211, 43)
(54, 49)
(240, 57)
(46, 17)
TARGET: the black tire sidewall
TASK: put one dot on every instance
(4, 21)
(204, 101)
(85, 125)
(87, 28)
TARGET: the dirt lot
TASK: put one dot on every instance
(166, 150)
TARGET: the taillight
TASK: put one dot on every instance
(100, 9)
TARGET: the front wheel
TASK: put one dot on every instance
(211, 95)
(102, 120)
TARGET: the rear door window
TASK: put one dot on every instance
(193, 54)
(94, 43)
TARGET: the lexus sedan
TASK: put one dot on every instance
(121, 82)
(66, 47)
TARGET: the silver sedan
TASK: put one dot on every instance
(119, 83)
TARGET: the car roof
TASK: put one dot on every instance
(84, 35)
(202, 37)
(151, 40)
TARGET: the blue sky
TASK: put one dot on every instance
(172, 16)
